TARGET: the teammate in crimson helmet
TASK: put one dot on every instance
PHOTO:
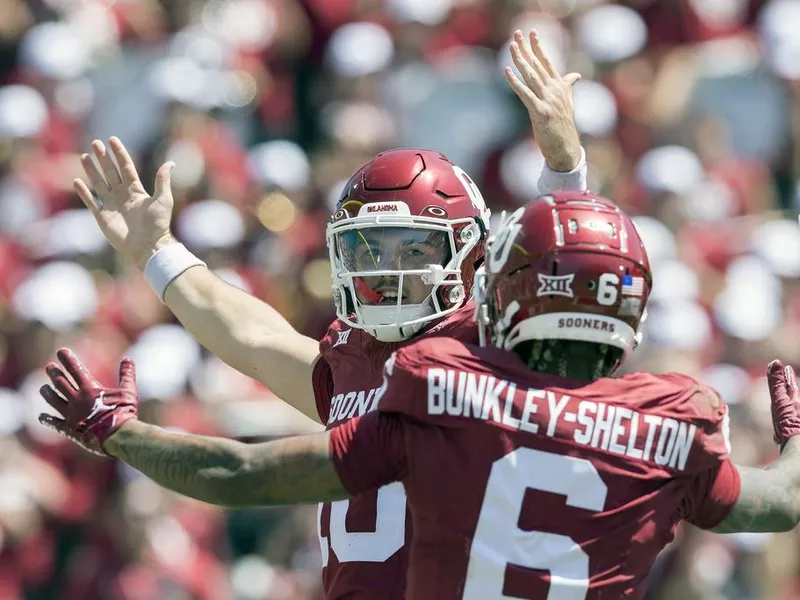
(529, 471)
(409, 232)
(409, 229)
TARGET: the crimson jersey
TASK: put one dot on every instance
(527, 485)
(363, 540)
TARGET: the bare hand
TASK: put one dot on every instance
(548, 97)
(134, 223)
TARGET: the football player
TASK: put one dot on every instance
(529, 471)
(408, 231)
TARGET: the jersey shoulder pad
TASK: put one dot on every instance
(694, 398)
(413, 373)
(692, 406)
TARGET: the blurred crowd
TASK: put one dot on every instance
(689, 111)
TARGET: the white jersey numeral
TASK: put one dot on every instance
(370, 546)
(498, 540)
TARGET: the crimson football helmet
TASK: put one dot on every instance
(407, 233)
(568, 266)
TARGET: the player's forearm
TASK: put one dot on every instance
(222, 317)
(567, 156)
(770, 497)
(568, 172)
(229, 473)
(246, 333)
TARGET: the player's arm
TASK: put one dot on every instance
(547, 96)
(293, 470)
(245, 332)
(364, 453)
(248, 334)
(769, 499)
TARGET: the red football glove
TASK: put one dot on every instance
(91, 411)
(785, 398)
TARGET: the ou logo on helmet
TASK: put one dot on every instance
(472, 191)
(500, 245)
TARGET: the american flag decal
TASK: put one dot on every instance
(632, 286)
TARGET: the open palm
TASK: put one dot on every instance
(133, 222)
(548, 97)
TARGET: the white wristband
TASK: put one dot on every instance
(166, 265)
(550, 180)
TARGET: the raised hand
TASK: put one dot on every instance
(785, 401)
(134, 223)
(90, 411)
(548, 97)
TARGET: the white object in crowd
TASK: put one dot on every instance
(731, 381)
(210, 224)
(426, 12)
(674, 280)
(595, 108)
(55, 50)
(682, 324)
(658, 239)
(670, 169)
(281, 163)
(611, 32)
(20, 205)
(23, 112)
(359, 49)
(749, 284)
(59, 294)
(67, 233)
(777, 25)
(520, 168)
(777, 243)
(165, 356)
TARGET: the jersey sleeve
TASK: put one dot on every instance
(405, 386)
(322, 382)
(713, 494)
(369, 452)
(715, 485)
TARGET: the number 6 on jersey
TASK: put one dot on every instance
(499, 541)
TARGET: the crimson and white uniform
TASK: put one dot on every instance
(533, 486)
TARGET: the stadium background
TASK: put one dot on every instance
(689, 111)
